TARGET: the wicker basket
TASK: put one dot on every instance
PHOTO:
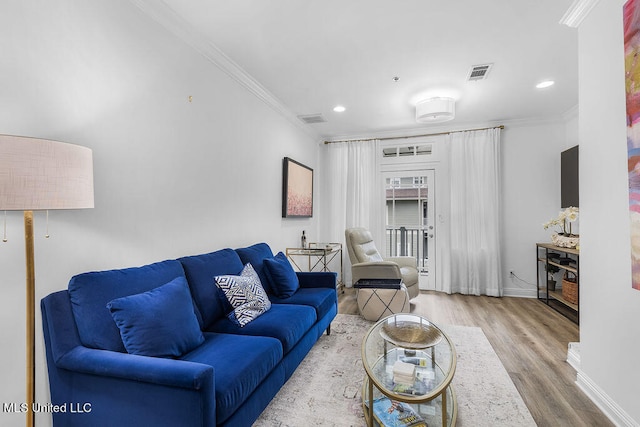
(570, 288)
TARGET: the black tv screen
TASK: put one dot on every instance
(569, 189)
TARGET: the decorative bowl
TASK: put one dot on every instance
(411, 335)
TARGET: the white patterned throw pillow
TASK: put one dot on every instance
(245, 294)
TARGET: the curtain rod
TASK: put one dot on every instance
(411, 136)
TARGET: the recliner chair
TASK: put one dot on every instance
(367, 263)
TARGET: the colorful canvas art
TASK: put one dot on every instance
(631, 17)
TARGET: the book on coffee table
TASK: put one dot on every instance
(391, 413)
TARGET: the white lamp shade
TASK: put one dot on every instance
(435, 110)
(39, 174)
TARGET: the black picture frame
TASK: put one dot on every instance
(297, 189)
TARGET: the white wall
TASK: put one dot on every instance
(609, 307)
(530, 197)
(172, 177)
(572, 128)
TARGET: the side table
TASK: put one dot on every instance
(317, 257)
(378, 298)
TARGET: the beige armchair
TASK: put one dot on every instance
(367, 263)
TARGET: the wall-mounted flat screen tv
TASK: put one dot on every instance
(569, 188)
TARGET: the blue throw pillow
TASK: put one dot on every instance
(160, 322)
(245, 294)
(283, 280)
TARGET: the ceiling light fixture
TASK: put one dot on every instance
(435, 110)
(339, 109)
(545, 84)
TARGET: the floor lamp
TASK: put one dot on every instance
(39, 174)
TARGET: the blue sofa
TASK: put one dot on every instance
(228, 379)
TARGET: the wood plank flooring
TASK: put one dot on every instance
(530, 339)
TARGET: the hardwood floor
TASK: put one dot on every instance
(530, 339)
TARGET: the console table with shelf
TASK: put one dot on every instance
(566, 260)
(317, 257)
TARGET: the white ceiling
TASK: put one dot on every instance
(313, 55)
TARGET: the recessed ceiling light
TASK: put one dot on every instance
(339, 109)
(544, 84)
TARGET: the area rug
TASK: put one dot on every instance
(326, 388)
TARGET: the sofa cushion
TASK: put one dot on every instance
(160, 322)
(240, 363)
(200, 271)
(245, 294)
(255, 255)
(286, 322)
(321, 299)
(283, 280)
(90, 292)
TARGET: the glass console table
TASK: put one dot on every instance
(318, 257)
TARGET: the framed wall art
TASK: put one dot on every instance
(297, 189)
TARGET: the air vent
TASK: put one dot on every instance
(312, 118)
(479, 72)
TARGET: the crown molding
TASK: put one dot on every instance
(161, 13)
(576, 13)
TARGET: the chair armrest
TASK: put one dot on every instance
(375, 270)
(317, 279)
(155, 370)
(404, 261)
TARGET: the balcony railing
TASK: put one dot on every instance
(403, 241)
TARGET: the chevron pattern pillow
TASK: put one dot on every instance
(245, 294)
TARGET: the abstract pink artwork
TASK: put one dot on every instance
(297, 189)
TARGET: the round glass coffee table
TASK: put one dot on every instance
(409, 364)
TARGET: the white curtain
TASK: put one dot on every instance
(475, 213)
(356, 192)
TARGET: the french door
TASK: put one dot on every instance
(410, 222)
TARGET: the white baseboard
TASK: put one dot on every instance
(519, 292)
(616, 414)
(573, 355)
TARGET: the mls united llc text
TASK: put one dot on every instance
(72, 408)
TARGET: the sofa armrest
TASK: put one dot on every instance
(318, 279)
(143, 390)
(404, 261)
(375, 270)
(155, 370)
